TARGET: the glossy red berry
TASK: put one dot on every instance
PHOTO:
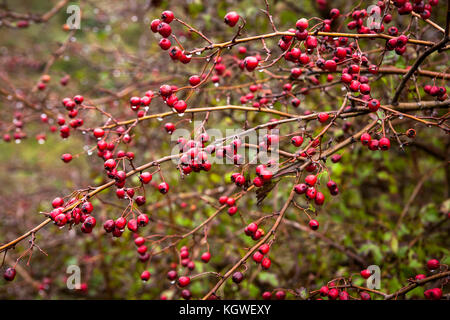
(251, 63)
(302, 24)
(384, 144)
(206, 256)
(265, 263)
(145, 275)
(237, 277)
(9, 274)
(365, 139)
(184, 281)
(365, 273)
(163, 187)
(164, 29)
(257, 257)
(313, 224)
(433, 264)
(167, 16)
(145, 177)
(231, 18)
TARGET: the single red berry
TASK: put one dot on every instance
(251, 63)
(206, 256)
(194, 80)
(384, 144)
(265, 263)
(231, 18)
(186, 294)
(163, 187)
(311, 180)
(433, 264)
(365, 139)
(145, 275)
(374, 105)
(165, 44)
(154, 25)
(9, 274)
(184, 281)
(66, 157)
(142, 220)
(333, 293)
(313, 224)
(164, 29)
(167, 16)
(365, 273)
(280, 295)
(302, 24)
(257, 257)
(132, 225)
(433, 294)
(237, 277)
(364, 295)
(146, 177)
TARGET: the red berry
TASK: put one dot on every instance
(9, 274)
(257, 257)
(365, 139)
(154, 25)
(231, 18)
(333, 293)
(433, 264)
(302, 24)
(184, 281)
(265, 264)
(165, 43)
(280, 295)
(237, 277)
(194, 80)
(384, 144)
(167, 16)
(313, 224)
(145, 275)
(164, 29)
(311, 180)
(365, 274)
(251, 63)
(206, 256)
(146, 177)
(163, 187)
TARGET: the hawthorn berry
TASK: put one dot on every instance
(206, 256)
(433, 264)
(265, 263)
(184, 281)
(186, 294)
(280, 295)
(145, 275)
(251, 63)
(9, 274)
(163, 187)
(365, 139)
(384, 144)
(365, 273)
(237, 277)
(145, 177)
(433, 294)
(231, 18)
(313, 224)
(167, 16)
